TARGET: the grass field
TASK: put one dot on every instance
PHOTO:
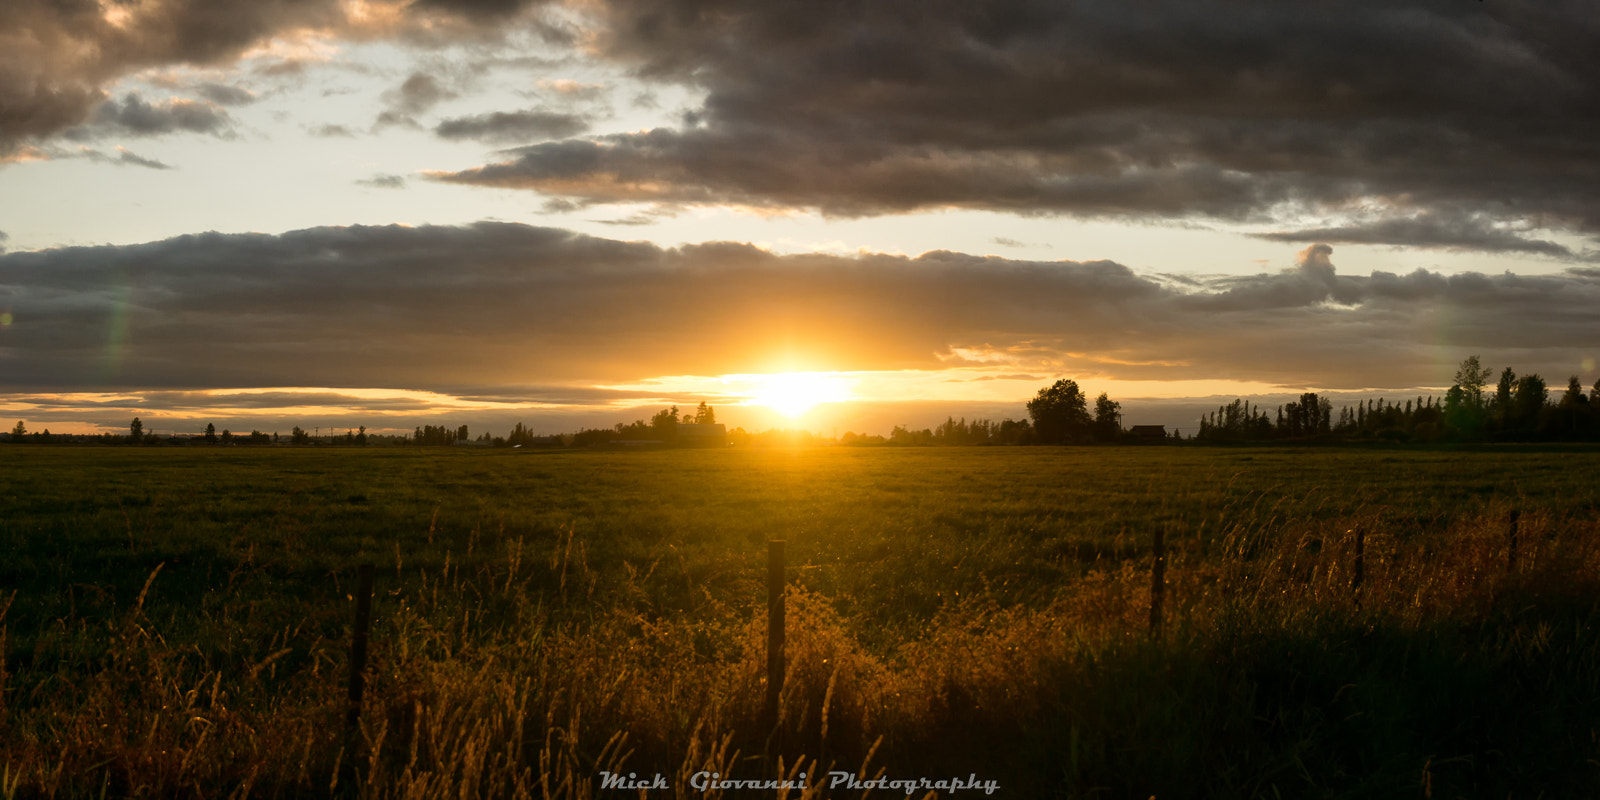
(177, 621)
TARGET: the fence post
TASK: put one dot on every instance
(1361, 565)
(774, 627)
(1511, 550)
(358, 645)
(1158, 580)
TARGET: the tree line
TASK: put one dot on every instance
(1517, 408)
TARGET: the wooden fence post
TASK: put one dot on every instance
(358, 645)
(774, 627)
(1158, 580)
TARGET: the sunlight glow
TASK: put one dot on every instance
(792, 394)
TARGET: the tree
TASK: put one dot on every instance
(664, 425)
(461, 435)
(1574, 394)
(1472, 377)
(1464, 407)
(211, 433)
(1528, 403)
(361, 438)
(1503, 391)
(136, 431)
(1107, 418)
(1060, 413)
(18, 432)
(704, 415)
(298, 436)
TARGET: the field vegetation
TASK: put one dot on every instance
(177, 621)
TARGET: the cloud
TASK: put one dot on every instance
(383, 182)
(329, 130)
(516, 126)
(1471, 123)
(570, 91)
(1258, 113)
(225, 95)
(419, 93)
(482, 305)
(1430, 230)
(134, 116)
(124, 157)
(57, 58)
(485, 10)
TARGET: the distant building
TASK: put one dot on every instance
(713, 435)
(1142, 433)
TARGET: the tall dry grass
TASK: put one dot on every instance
(532, 675)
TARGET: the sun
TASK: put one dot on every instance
(792, 394)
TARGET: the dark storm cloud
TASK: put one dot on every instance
(1235, 111)
(434, 307)
(516, 126)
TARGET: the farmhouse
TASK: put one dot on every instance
(705, 435)
(1142, 433)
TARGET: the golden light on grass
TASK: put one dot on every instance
(792, 394)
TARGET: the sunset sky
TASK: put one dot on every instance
(330, 213)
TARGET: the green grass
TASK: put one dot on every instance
(541, 616)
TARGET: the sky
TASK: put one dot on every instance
(822, 215)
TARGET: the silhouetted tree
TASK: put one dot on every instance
(1472, 377)
(298, 436)
(361, 437)
(1107, 418)
(905, 436)
(1060, 413)
(136, 431)
(1528, 405)
(704, 415)
(664, 425)
(1500, 411)
(435, 436)
(19, 431)
(1465, 411)
(461, 435)
(211, 433)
